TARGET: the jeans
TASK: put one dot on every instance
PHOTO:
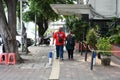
(59, 51)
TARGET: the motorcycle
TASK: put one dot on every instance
(44, 40)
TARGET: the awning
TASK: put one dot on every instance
(71, 9)
(77, 9)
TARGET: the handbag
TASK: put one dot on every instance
(60, 39)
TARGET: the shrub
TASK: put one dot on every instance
(91, 37)
(103, 44)
(115, 39)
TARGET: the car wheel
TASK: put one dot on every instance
(18, 44)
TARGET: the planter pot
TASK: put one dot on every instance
(105, 60)
(99, 55)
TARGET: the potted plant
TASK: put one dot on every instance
(104, 46)
(91, 38)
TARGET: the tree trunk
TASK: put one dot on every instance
(42, 27)
(8, 29)
(4, 30)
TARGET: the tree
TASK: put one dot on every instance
(79, 27)
(43, 12)
(8, 26)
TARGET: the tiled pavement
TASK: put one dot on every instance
(80, 70)
(36, 67)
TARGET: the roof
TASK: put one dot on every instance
(71, 9)
(78, 9)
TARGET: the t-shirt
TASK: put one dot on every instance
(58, 35)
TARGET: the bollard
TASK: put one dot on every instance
(82, 48)
(79, 50)
(86, 52)
(50, 57)
(91, 66)
(93, 59)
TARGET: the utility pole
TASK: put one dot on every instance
(35, 29)
(21, 23)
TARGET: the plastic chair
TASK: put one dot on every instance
(11, 58)
(4, 58)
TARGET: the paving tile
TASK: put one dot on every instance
(36, 67)
(80, 70)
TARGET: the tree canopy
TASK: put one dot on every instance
(78, 26)
(43, 12)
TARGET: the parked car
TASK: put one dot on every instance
(18, 38)
(29, 41)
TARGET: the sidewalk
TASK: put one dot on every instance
(80, 70)
(35, 66)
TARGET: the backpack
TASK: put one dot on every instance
(71, 40)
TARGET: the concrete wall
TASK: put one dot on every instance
(118, 2)
(107, 8)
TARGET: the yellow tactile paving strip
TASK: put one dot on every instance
(55, 68)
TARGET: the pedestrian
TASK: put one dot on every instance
(59, 38)
(70, 43)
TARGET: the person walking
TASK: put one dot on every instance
(59, 38)
(70, 43)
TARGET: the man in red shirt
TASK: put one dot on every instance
(59, 37)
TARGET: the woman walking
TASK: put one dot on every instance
(70, 43)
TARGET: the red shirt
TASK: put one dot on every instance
(56, 36)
